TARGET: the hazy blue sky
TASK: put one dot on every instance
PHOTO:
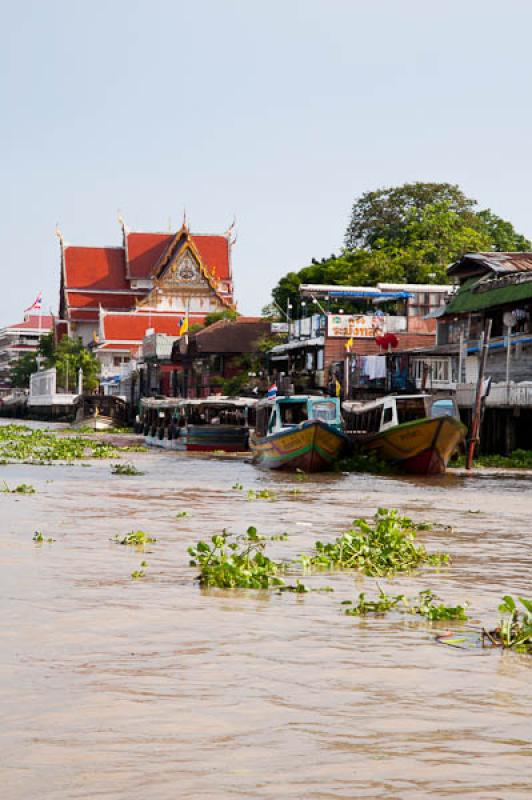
(280, 112)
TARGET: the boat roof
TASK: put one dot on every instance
(293, 398)
(212, 400)
(353, 405)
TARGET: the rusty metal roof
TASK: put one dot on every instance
(494, 262)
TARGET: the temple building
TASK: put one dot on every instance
(110, 296)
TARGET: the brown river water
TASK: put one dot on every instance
(119, 688)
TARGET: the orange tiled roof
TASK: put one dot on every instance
(133, 327)
(95, 268)
(145, 249)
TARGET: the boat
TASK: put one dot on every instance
(99, 412)
(298, 432)
(204, 424)
(416, 433)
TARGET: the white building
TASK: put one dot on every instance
(19, 339)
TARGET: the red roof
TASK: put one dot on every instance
(46, 322)
(144, 250)
(133, 327)
(214, 252)
(95, 268)
(117, 301)
(80, 315)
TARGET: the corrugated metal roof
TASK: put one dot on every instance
(495, 262)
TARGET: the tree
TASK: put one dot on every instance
(21, 370)
(504, 238)
(408, 233)
(381, 218)
(216, 316)
(68, 357)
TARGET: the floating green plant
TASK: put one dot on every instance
(232, 561)
(182, 514)
(261, 494)
(20, 443)
(138, 573)
(426, 604)
(237, 486)
(40, 538)
(383, 548)
(22, 488)
(135, 538)
(515, 628)
(125, 469)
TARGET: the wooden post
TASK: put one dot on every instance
(474, 437)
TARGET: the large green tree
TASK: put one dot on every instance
(408, 233)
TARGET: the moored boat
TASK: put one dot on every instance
(416, 433)
(198, 425)
(99, 412)
(298, 433)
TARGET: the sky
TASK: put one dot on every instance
(279, 114)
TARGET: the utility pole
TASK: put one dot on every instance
(474, 438)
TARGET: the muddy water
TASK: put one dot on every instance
(114, 688)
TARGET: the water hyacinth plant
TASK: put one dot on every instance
(135, 538)
(125, 469)
(232, 561)
(20, 443)
(22, 488)
(427, 605)
(383, 548)
(515, 628)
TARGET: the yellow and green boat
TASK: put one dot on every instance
(416, 433)
(300, 432)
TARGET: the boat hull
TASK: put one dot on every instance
(205, 439)
(420, 447)
(311, 447)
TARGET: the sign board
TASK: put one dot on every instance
(279, 327)
(359, 326)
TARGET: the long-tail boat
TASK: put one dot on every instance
(416, 433)
(300, 432)
(197, 425)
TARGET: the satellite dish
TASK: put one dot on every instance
(508, 319)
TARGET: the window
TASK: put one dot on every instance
(387, 415)
(410, 408)
(443, 408)
(325, 411)
(293, 413)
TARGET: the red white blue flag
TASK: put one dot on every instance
(272, 391)
(36, 305)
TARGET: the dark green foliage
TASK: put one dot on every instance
(232, 561)
(407, 233)
(385, 547)
(365, 462)
(21, 370)
(519, 459)
(216, 316)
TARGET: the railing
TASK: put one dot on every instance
(500, 395)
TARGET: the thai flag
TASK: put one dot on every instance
(272, 391)
(37, 303)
